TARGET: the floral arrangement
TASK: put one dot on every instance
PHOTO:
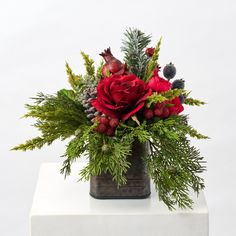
(107, 109)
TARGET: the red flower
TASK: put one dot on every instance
(176, 106)
(158, 84)
(121, 96)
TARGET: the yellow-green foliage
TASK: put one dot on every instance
(153, 63)
(89, 64)
(74, 80)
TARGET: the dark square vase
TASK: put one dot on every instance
(138, 181)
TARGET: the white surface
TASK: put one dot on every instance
(36, 37)
(65, 208)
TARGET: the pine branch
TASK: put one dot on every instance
(89, 64)
(133, 46)
(153, 63)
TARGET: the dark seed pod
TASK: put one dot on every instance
(169, 71)
(178, 84)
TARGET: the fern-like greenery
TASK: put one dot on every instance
(133, 46)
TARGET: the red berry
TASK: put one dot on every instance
(148, 114)
(166, 112)
(110, 132)
(149, 52)
(114, 122)
(101, 128)
(159, 105)
(158, 112)
(104, 120)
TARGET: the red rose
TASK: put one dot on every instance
(158, 84)
(176, 106)
(121, 96)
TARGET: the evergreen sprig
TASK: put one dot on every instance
(57, 117)
(163, 96)
(133, 46)
(174, 166)
(76, 147)
(74, 80)
(99, 71)
(109, 156)
(173, 163)
(193, 102)
(89, 64)
(153, 62)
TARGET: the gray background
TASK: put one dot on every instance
(38, 36)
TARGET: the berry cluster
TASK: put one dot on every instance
(160, 110)
(106, 125)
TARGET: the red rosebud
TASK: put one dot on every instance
(114, 122)
(148, 114)
(149, 52)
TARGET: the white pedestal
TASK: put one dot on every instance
(65, 208)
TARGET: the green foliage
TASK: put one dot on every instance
(76, 147)
(109, 156)
(133, 47)
(139, 133)
(174, 165)
(89, 64)
(164, 96)
(58, 117)
(74, 80)
(153, 63)
(99, 71)
(193, 102)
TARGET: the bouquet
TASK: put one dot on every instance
(109, 108)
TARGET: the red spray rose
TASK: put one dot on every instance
(121, 96)
(158, 84)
